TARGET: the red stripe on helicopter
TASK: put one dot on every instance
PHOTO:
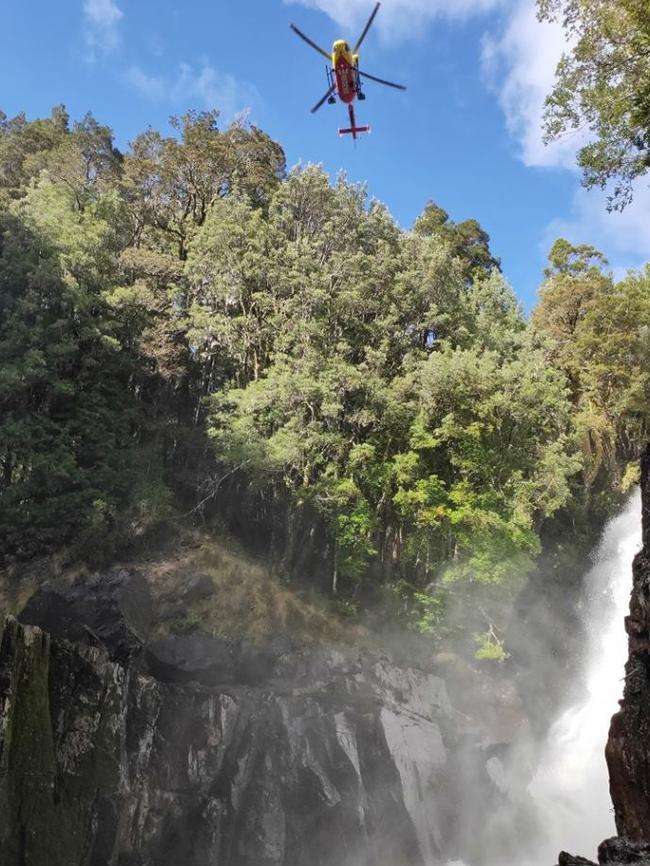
(346, 80)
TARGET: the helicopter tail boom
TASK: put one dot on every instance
(353, 129)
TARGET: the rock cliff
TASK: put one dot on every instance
(194, 751)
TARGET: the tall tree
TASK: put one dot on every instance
(65, 414)
(24, 145)
(468, 240)
(574, 281)
(603, 84)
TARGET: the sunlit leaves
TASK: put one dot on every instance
(602, 85)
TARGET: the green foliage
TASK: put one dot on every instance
(420, 610)
(597, 332)
(490, 648)
(603, 84)
(430, 610)
(91, 333)
(414, 454)
(631, 476)
(24, 146)
(186, 330)
(466, 241)
(64, 424)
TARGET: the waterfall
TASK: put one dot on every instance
(570, 790)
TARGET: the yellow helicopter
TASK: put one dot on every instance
(344, 76)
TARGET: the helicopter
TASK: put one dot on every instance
(344, 76)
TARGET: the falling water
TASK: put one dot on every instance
(570, 790)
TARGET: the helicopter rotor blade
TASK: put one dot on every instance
(327, 96)
(311, 42)
(366, 29)
(382, 81)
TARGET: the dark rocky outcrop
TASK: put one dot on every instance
(194, 657)
(621, 850)
(198, 588)
(201, 658)
(566, 859)
(209, 753)
(113, 610)
(617, 851)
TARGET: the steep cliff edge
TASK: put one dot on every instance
(198, 751)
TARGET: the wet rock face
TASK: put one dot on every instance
(621, 850)
(324, 759)
(617, 851)
(628, 747)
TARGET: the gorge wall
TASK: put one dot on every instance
(119, 751)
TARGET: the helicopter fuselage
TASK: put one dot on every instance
(345, 69)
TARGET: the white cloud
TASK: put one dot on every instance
(214, 89)
(101, 26)
(151, 86)
(624, 236)
(520, 66)
(399, 19)
(202, 86)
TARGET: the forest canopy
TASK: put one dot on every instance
(190, 332)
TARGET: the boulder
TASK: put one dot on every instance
(113, 610)
(195, 657)
(621, 850)
(282, 645)
(566, 859)
(198, 588)
(202, 658)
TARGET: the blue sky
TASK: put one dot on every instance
(466, 134)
